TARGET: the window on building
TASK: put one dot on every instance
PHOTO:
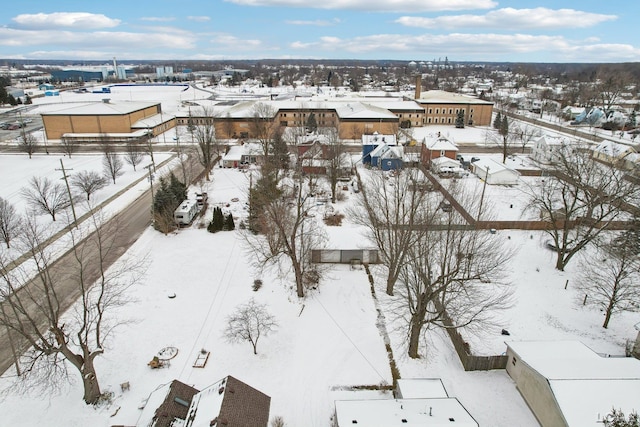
(430, 110)
(283, 123)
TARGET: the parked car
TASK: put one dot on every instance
(13, 126)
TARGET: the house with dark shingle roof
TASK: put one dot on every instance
(229, 403)
(167, 403)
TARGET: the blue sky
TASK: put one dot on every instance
(461, 30)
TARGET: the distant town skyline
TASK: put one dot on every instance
(420, 30)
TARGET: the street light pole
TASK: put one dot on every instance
(153, 210)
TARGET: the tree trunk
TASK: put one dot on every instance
(92, 391)
(299, 285)
(607, 315)
(560, 262)
(390, 284)
(415, 329)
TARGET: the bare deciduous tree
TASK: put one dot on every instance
(453, 277)
(28, 142)
(111, 163)
(336, 160)
(249, 322)
(205, 136)
(579, 198)
(88, 182)
(34, 307)
(9, 222)
(69, 146)
(288, 233)
(133, 154)
(46, 197)
(391, 211)
(609, 277)
(262, 126)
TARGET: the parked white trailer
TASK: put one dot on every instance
(186, 212)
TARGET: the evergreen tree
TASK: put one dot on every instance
(497, 122)
(217, 223)
(504, 127)
(177, 188)
(229, 225)
(460, 119)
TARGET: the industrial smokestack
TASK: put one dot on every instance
(418, 86)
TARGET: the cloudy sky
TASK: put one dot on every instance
(461, 30)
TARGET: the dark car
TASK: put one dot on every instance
(13, 126)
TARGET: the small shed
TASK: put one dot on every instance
(442, 164)
(494, 173)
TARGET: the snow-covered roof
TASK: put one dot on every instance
(613, 149)
(359, 110)
(102, 108)
(425, 388)
(444, 161)
(438, 412)
(442, 97)
(377, 138)
(234, 154)
(440, 143)
(585, 384)
(152, 121)
(492, 167)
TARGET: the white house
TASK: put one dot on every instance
(566, 384)
(494, 173)
(546, 149)
(445, 164)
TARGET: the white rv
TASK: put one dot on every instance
(186, 212)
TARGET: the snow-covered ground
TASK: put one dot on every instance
(324, 343)
(328, 341)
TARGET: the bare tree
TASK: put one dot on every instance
(69, 146)
(249, 322)
(28, 142)
(34, 304)
(527, 133)
(505, 136)
(88, 182)
(336, 159)
(610, 84)
(453, 277)
(133, 154)
(288, 232)
(208, 148)
(579, 198)
(262, 126)
(609, 276)
(10, 222)
(46, 197)
(392, 214)
(111, 163)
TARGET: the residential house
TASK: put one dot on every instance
(229, 403)
(226, 403)
(438, 146)
(546, 149)
(566, 384)
(614, 153)
(371, 141)
(166, 404)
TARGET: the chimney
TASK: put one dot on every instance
(418, 86)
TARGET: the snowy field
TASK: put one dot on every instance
(324, 343)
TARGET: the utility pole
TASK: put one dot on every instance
(66, 181)
(153, 210)
(484, 187)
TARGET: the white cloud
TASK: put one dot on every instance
(114, 42)
(232, 43)
(317, 22)
(75, 20)
(377, 5)
(510, 18)
(489, 47)
(158, 19)
(199, 18)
